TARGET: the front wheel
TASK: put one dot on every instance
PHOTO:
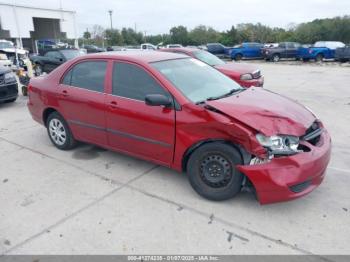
(59, 132)
(38, 70)
(212, 171)
(25, 90)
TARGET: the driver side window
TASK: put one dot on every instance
(133, 82)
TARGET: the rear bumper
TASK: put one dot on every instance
(8, 92)
(287, 178)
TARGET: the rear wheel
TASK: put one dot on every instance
(238, 57)
(212, 171)
(59, 132)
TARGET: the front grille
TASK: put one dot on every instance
(300, 187)
(313, 134)
(256, 74)
(8, 90)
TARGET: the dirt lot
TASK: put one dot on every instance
(93, 201)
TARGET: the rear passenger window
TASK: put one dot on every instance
(87, 75)
(133, 82)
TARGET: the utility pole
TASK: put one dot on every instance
(110, 17)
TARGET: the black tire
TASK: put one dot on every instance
(212, 172)
(24, 90)
(238, 57)
(275, 58)
(38, 70)
(65, 142)
(306, 59)
(11, 100)
(319, 58)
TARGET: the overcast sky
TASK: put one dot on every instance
(158, 16)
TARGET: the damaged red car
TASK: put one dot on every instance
(182, 113)
(244, 74)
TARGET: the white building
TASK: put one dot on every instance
(24, 24)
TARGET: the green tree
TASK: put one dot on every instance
(230, 37)
(202, 35)
(114, 37)
(179, 35)
(87, 35)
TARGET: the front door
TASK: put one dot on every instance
(133, 126)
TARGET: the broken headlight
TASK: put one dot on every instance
(279, 145)
(246, 77)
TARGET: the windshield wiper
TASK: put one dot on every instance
(230, 93)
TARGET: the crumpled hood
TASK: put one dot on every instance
(267, 112)
(237, 68)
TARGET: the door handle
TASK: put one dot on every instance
(113, 104)
(65, 93)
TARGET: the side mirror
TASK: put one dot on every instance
(158, 100)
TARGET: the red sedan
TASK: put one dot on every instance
(182, 113)
(244, 74)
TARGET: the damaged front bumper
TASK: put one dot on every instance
(290, 177)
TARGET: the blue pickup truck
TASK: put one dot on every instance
(247, 50)
(319, 51)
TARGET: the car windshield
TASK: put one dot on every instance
(208, 58)
(197, 80)
(6, 45)
(70, 54)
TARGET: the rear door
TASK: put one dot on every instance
(82, 100)
(133, 126)
(283, 48)
(291, 50)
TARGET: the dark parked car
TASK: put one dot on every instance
(53, 59)
(218, 49)
(8, 85)
(284, 50)
(179, 112)
(93, 49)
(342, 54)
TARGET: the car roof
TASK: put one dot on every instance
(181, 49)
(141, 56)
